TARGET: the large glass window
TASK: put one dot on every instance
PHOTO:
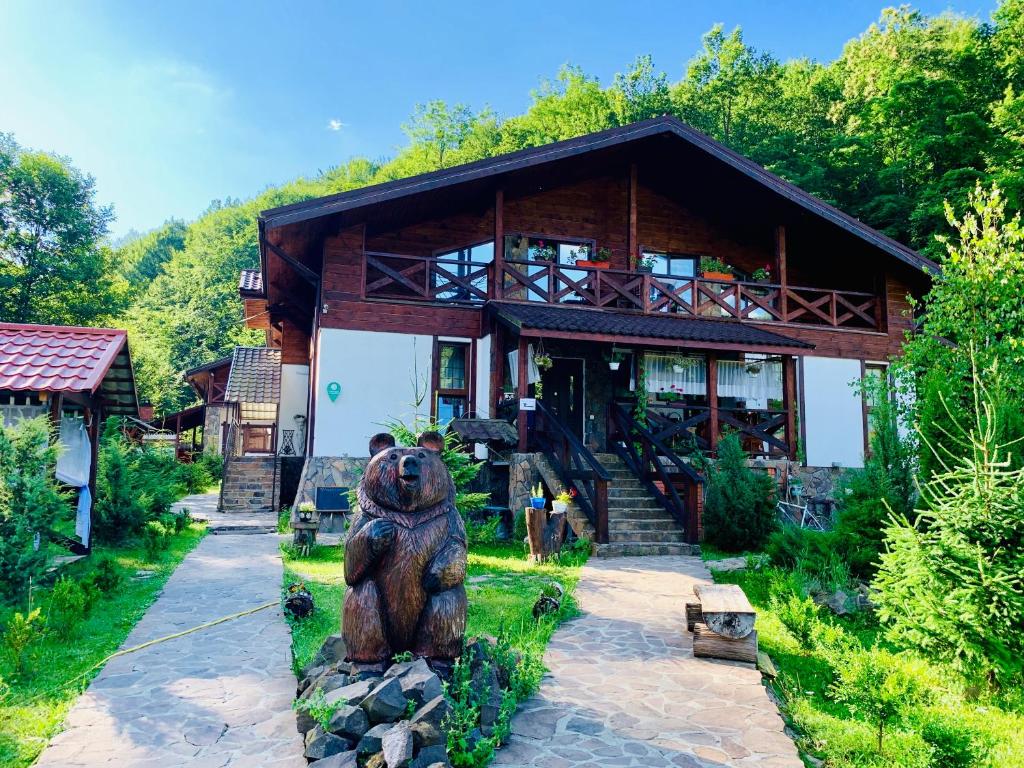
(468, 262)
(874, 386)
(451, 396)
(539, 250)
(673, 264)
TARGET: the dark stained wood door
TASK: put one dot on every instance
(563, 392)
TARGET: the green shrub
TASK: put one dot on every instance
(68, 606)
(950, 583)
(30, 504)
(23, 630)
(318, 708)
(882, 686)
(739, 504)
(155, 539)
(120, 511)
(800, 615)
(952, 743)
(106, 577)
(483, 533)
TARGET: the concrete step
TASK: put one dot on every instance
(621, 507)
(623, 549)
(663, 523)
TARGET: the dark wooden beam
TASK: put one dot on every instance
(632, 244)
(780, 263)
(713, 401)
(56, 404)
(497, 368)
(789, 401)
(301, 269)
(521, 391)
(648, 341)
(499, 244)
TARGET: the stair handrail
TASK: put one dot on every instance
(652, 449)
(576, 467)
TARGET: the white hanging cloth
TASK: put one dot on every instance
(83, 519)
(75, 458)
(532, 371)
(676, 373)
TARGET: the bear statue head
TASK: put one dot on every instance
(408, 479)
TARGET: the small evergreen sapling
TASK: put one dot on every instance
(739, 505)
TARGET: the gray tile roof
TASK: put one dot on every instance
(255, 376)
(250, 281)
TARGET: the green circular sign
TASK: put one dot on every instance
(333, 390)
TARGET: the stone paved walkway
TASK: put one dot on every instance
(625, 689)
(218, 697)
(203, 506)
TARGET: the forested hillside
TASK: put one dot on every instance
(914, 112)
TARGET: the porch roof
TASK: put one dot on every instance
(592, 324)
(255, 376)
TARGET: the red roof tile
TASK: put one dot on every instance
(57, 358)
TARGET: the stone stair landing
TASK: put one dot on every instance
(249, 485)
(637, 523)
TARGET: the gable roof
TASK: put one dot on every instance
(524, 158)
(577, 323)
(57, 358)
(255, 376)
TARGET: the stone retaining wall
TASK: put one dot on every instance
(328, 471)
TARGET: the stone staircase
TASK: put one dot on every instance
(249, 485)
(637, 523)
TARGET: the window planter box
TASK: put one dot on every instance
(593, 264)
(719, 276)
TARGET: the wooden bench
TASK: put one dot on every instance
(722, 622)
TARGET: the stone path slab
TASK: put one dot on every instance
(218, 697)
(203, 506)
(624, 688)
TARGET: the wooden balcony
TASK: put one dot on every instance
(396, 276)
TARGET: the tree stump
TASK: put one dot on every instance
(545, 533)
(693, 615)
(709, 644)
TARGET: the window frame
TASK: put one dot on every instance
(436, 391)
(866, 407)
(556, 240)
(672, 255)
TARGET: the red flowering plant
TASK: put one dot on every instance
(763, 274)
(541, 251)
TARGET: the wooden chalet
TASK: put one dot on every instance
(550, 286)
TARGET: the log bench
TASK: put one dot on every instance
(722, 623)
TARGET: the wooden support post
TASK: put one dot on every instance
(780, 262)
(694, 616)
(789, 401)
(94, 416)
(497, 369)
(632, 244)
(601, 509)
(545, 533)
(497, 290)
(712, 401)
(522, 389)
(56, 406)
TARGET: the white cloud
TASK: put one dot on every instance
(334, 124)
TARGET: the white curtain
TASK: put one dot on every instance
(12, 414)
(676, 373)
(532, 371)
(755, 381)
(76, 453)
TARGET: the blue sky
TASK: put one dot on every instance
(173, 104)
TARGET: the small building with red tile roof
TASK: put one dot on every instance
(69, 373)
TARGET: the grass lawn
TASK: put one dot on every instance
(35, 705)
(502, 588)
(830, 731)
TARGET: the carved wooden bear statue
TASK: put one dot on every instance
(405, 561)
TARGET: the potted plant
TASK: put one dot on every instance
(306, 510)
(762, 274)
(543, 361)
(715, 269)
(679, 364)
(616, 360)
(537, 500)
(543, 252)
(561, 502)
(603, 260)
(646, 263)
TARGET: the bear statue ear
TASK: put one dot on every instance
(381, 442)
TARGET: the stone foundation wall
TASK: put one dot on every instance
(328, 471)
(215, 416)
(522, 475)
(818, 482)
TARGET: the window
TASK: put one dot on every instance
(539, 251)
(451, 374)
(463, 262)
(673, 264)
(875, 375)
(259, 412)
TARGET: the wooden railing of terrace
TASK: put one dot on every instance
(394, 276)
(674, 483)
(762, 431)
(575, 466)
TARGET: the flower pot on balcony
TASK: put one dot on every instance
(559, 506)
(537, 502)
(645, 268)
(719, 276)
(593, 264)
(613, 365)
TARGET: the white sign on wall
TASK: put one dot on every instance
(527, 404)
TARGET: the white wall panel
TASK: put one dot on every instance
(294, 395)
(833, 414)
(483, 377)
(379, 374)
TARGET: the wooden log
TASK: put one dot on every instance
(727, 612)
(545, 533)
(709, 644)
(693, 615)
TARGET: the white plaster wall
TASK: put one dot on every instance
(483, 377)
(833, 415)
(380, 375)
(294, 396)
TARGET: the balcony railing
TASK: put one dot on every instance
(424, 278)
